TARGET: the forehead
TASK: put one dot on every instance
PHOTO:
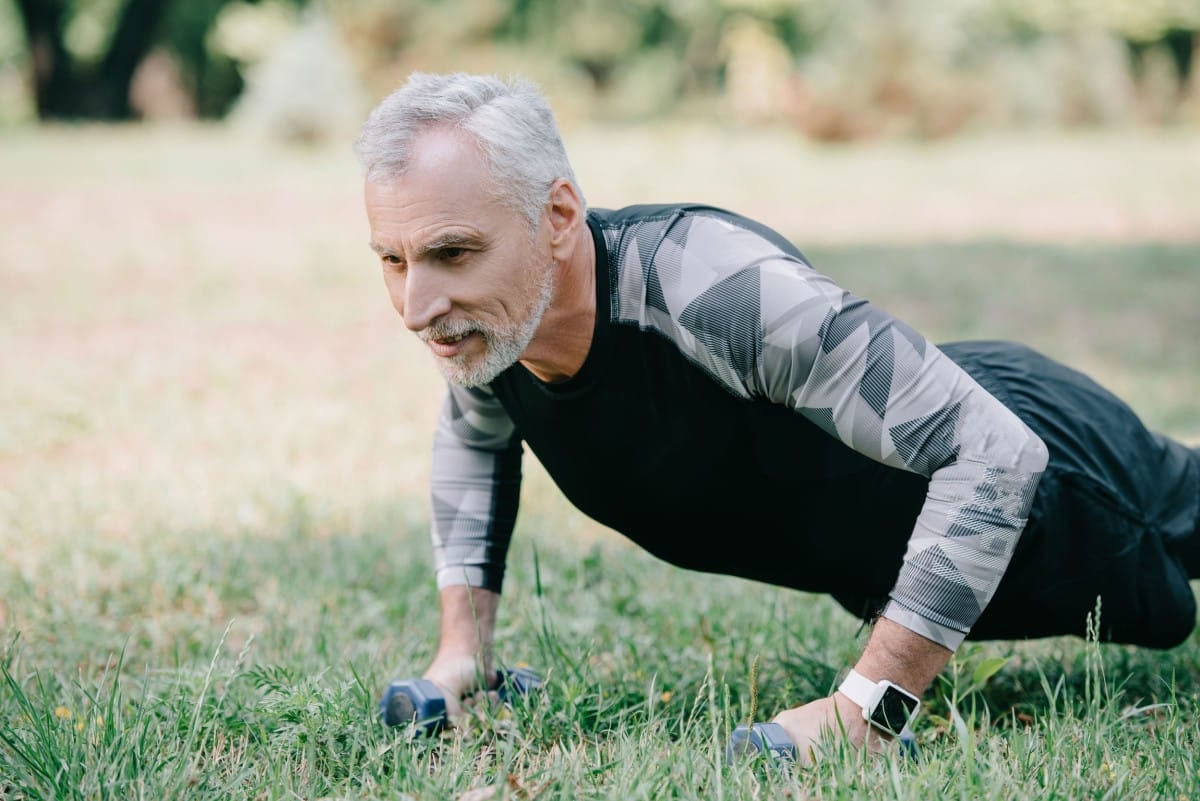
(447, 183)
(443, 148)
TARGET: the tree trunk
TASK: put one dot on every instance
(44, 21)
(65, 89)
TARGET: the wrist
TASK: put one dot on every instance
(851, 716)
(460, 673)
(884, 705)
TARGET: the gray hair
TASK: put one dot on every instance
(509, 119)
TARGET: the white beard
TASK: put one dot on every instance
(503, 345)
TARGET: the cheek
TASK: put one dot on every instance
(395, 290)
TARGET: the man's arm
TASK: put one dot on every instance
(475, 484)
(463, 662)
(885, 391)
(763, 323)
(766, 326)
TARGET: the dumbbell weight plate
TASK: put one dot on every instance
(414, 701)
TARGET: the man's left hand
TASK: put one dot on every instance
(824, 724)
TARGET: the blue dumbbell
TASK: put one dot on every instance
(771, 739)
(420, 701)
(768, 738)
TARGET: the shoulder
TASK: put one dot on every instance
(650, 222)
(700, 264)
(707, 279)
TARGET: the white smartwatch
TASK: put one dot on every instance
(885, 705)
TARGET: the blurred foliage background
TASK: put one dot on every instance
(830, 69)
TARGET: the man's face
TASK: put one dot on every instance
(464, 270)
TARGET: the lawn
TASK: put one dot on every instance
(213, 445)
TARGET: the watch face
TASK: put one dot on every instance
(893, 710)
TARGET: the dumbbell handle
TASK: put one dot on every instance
(420, 701)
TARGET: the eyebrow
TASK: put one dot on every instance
(441, 243)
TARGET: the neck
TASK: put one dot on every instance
(564, 337)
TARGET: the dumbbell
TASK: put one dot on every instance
(768, 738)
(771, 739)
(421, 702)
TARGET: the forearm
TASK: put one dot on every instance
(475, 485)
(468, 623)
(894, 654)
(463, 662)
(902, 657)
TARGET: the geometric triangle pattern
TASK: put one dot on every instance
(935, 582)
(927, 442)
(725, 318)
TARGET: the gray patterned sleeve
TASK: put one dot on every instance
(475, 485)
(767, 325)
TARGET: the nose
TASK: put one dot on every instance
(425, 299)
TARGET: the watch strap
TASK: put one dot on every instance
(859, 689)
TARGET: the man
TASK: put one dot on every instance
(682, 372)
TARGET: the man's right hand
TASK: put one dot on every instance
(463, 665)
(460, 678)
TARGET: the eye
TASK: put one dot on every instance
(452, 254)
(392, 261)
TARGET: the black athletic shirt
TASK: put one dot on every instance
(740, 413)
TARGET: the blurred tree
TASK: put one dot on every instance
(1162, 38)
(65, 85)
(83, 54)
(838, 68)
(211, 78)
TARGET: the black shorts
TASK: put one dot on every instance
(1115, 512)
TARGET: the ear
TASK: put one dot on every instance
(565, 213)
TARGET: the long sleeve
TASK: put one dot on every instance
(752, 313)
(885, 391)
(475, 487)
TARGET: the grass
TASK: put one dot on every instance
(213, 436)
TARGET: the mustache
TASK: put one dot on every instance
(444, 329)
